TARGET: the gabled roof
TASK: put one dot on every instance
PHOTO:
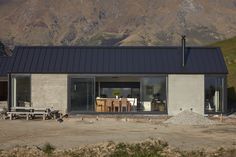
(5, 65)
(117, 60)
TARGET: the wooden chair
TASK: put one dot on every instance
(124, 105)
(129, 106)
(100, 105)
(116, 105)
(109, 106)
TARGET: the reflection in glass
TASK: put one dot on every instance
(113, 92)
(82, 94)
(213, 94)
(154, 94)
(21, 91)
(3, 90)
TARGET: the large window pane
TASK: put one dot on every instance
(154, 94)
(3, 90)
(21, 90)
(213, 94)
(118, 96)
(116, 92)
(82, 94)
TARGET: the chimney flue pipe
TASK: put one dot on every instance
(183, 50)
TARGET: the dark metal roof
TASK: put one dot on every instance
(5, 65)
(117, 60)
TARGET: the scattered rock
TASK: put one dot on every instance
(233, 115)
(190, 118)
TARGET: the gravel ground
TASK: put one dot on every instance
(75, 132)
(190, 118)
(233, 115)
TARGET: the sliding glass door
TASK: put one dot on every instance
(82, 94)
(3, 90)
(154, 94)
(21, 90)
(214, 94)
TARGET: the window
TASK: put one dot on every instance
(213, 94)
(21, 90)
(120, 89)
(3, 90)
(154, 94)
(82, 94)
(113, 92)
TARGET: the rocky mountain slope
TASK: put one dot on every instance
(116, 22)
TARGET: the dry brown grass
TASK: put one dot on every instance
(150, 148)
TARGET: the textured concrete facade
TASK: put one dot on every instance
(49, 90)
(185, 92)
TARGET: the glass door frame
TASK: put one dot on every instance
(70, 77)
(223, 101)
(14, 86)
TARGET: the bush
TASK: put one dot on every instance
(144, 149)
(48, 148)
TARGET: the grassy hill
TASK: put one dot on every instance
(229, 50)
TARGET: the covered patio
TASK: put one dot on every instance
(111, 94)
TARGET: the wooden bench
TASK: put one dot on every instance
(28, 111)
(13, 114)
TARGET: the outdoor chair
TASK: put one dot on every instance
(109, 106)
(124, 105)
(100, 105)
(116, 105)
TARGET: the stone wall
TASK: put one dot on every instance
(185, 92)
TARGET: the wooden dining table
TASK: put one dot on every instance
(102, 106)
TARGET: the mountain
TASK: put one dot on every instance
(4, 50)
(116, 22)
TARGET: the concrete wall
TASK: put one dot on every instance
(49, 90)
(185, 92)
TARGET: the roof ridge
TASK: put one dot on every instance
(119, 47)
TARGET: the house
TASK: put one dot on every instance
(155, 80)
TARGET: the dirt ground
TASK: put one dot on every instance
(74, 132)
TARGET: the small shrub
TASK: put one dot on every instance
(48, 148)
(120, 150)
(148, 148)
